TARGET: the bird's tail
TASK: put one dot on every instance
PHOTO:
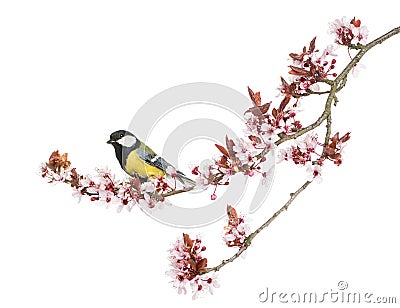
(186, 182)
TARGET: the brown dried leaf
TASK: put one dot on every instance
(187, 241)
(222, 150)
(232, 214)
(58, 162)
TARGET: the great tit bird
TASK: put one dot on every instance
(136, 158)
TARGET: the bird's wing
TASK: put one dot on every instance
(151, 158)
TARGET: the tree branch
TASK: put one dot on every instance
(250, 238)
(335, 86)
(175, 192)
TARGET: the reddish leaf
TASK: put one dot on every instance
(335, 156)
(260, 110)
(192, 264)
(275, 113)
(295, 56)
(255, 97)
(356, 23)
(255, 139)
(201, 264)
(335, 138)
(330, 151)
(223, 162)
(74, 178)
(298, 71)
(284, 103)
(284, 83)
(312, 45)
(222, 150)
(345, 138)
(264, 108)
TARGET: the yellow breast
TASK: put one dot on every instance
(135, 164)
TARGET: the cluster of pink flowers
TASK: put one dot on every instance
(304, 153)
(264, 126)
(237, 230)
(348, 31)
(300, 152)
(309, 68)
(240, 156)
(103, 187)
(188, 267)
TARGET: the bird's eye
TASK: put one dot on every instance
(122, 135)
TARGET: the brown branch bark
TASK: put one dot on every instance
(335, 86)
(250, 238)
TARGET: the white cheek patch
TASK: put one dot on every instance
(127, 141)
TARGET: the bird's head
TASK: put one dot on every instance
(122, 138)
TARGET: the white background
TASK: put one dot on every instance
(72, 72)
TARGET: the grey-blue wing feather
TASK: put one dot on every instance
(153, 159)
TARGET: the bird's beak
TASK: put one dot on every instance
(110, 141)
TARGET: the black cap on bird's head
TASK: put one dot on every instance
(123, 142)
(122, 138)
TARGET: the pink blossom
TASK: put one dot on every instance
(308, 144)
(314, 172)
(348, 31)
(202, 284)
(356, 69)
(284, 154)
(245, 151)
(187, 267)
(237, 229)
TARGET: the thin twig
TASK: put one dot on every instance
(250, 238)
(175, 192)
(336, 85)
